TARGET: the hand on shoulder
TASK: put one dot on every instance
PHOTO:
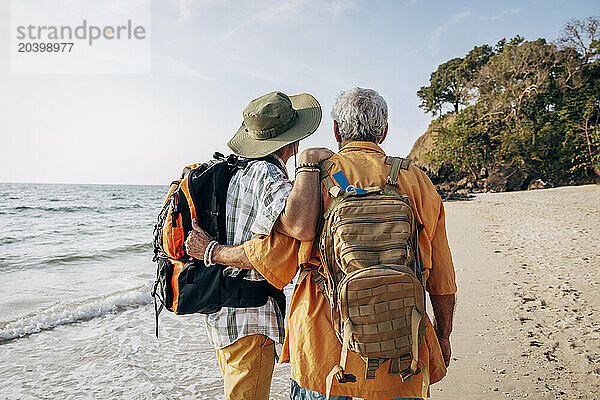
(315, 155)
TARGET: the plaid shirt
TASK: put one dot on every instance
(255, 198)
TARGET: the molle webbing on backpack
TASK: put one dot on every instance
(374, 278)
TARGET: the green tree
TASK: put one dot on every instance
(520, 72)
(531, 104)
(444, 87)
(449, 84)
(464, 145)
(502, 43)
(580, 114)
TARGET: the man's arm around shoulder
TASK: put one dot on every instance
(301, 214)
(298, 220)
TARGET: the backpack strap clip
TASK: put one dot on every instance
(339, 177)
(320, 281)
(372, 366)
(396, 164)
(314, 274)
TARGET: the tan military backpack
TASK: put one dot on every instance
(375, 277)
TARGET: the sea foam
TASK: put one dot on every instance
(73, 311)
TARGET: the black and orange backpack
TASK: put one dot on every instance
(184, 285)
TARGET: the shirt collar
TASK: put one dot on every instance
(362, 146)
(279, 160)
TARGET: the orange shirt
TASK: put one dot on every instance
(311, 346)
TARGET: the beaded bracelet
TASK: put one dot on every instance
(307, 165)
(206, 253)
(210, 252)
(305, 169)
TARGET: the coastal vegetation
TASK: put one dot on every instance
(529, 109)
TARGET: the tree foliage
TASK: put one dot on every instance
(449, 84)
(582, 35)
(464, 142)
(533, 104)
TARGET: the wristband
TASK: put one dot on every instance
(207, 253)
(210, 253)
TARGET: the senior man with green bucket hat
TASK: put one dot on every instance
(261, 198)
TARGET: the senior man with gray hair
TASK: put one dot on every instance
(312, 346)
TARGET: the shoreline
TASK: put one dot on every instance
(527, 321)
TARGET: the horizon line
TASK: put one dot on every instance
(82, 183)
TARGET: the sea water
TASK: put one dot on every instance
(76, 315)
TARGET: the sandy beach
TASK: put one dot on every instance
(527, 321)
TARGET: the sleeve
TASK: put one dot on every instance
(275, 257)
(273, 189)
(441, 280)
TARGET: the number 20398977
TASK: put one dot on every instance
(63, 47)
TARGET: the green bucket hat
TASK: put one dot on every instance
(273, 121)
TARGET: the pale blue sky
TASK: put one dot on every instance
(210, 58)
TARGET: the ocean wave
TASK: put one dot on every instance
(127, 207)
(55, 209)
(72, 209)
(100, 255)
(21, 261)
(74, 311)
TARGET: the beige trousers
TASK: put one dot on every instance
(247, 368)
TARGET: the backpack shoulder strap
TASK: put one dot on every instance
(396, 164)
(325, 166)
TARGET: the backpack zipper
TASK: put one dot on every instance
(335, 226)
(372, 249)
(383, 197)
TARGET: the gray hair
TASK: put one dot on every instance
(361, 114)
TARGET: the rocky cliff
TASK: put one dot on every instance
(497, 178)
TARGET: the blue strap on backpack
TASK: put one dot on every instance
(341, 180)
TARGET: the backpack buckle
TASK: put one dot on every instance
(345, 378)
(407, 374)
(335, 191)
